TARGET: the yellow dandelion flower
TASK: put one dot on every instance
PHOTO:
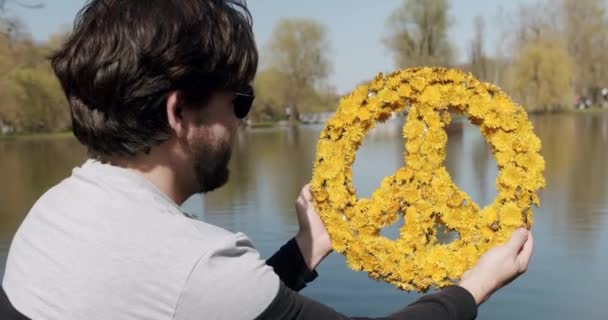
(384, 114)
(413, 128)
(446, 117)
(511, 215)
(529, 218)
(533, 161)
(435, 158)
(418, 83)
(430, 95)
(387, 95)
(478, 106)
(364, 115)
(438, 138)
(491, 219)
(393, 82)
(511, 176)
(410, 195)
(502, 141)
(504, 157)
(404, 91)
(404, 175)
(457, 95)
(507, 121)
(492, 119)
(455, 76)
(455, 200)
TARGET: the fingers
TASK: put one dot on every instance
(305, 196)
(300, 200)
(306, 193)
(523, 258)
(518, 239)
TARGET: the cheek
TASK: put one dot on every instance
(213, 135)
(231, 122)
(222, 132)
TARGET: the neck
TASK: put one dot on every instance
(158, 169)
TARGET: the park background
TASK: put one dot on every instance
(549, 56)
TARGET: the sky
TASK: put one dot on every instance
(356, 28)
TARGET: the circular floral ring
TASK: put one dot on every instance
(423, 192)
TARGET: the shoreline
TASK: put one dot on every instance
(273, 124)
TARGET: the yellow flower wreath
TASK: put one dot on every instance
(423, 192)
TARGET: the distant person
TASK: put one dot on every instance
(582, 102)
(156, 89)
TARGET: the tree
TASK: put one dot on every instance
(541, 76)
(298, 49)
(272, 96)
(418, 34)
(585, 24)
(534, 66)
(271, 87)
(479, 61)
(42, 104)
(3, 4)
(32, 98)
(11, 26)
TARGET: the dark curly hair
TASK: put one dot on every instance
(125, 56)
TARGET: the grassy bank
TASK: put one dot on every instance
(589, 110)
(40, 135)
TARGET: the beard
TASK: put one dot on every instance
(211, 165)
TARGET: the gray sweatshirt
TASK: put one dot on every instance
(106, 244)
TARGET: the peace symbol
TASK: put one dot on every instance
(422, 191)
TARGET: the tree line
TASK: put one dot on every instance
(551, 53)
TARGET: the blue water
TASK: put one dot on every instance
(566, 278)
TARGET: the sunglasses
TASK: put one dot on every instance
(242, 101)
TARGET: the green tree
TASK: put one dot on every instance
(418, 34)
(541, 76)
(298, 50)
(272, 96)
(271, 87)
(479, 60)
(42, 103)
(32, 98)
(585, 24)
(12, 26)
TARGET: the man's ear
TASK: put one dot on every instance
(175, 113)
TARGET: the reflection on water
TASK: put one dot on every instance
(270, 166)
(28, 167)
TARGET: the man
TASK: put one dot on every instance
(156, 89)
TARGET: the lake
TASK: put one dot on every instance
(567, 275)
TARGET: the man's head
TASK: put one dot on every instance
(139, 74)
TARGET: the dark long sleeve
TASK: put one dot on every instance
(7, 311)
(452, 303)
(289, 264)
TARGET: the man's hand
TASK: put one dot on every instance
(499, 266)
(312, 238)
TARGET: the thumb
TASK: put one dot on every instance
(518, 239)
(306, 193)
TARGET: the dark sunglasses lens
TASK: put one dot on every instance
(242, 105)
